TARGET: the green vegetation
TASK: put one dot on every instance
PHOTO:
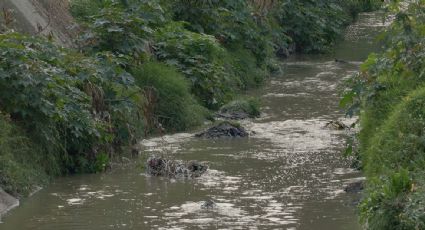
(250, 106)
(76, 109)
(199, 57)
(173, 105)
(142, 66)
(21, 160)
(390, 95)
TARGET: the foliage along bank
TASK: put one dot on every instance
(141, 66)
(390, 96)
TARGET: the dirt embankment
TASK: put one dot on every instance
(46, 17)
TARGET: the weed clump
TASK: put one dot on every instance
(173, 105)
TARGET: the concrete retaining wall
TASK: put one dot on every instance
(7, 202)
(47, 17)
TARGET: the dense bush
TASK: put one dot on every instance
(122, 27)
(231, 22)
(72, 105)
(215, 37)
(200, 58)
(313, 25)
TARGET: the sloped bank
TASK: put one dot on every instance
(391, 94)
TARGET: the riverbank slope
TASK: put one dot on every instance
(390, 95)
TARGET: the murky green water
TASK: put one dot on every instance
(289, 175)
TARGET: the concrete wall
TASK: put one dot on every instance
(47, 17)
(7, 202)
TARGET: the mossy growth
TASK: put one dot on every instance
(249, 106)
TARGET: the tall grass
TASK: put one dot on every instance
(174, 107)
(22, 162)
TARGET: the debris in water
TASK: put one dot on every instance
(157, 166)
(354, 187)
(209, 204)
(337, 125)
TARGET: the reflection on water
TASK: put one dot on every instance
(288, 175)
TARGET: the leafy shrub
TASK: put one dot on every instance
(69, 104)
(313, 25)
(175, 108)
(199, 57)
(122, 27)
(231, 22)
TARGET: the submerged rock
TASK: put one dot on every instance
(224, 129)
(157, 166)
(354, 187)
(341, 61)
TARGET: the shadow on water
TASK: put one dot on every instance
(289, 175)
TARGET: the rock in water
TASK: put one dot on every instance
(209, 204)
(196, 168)
(224, 129)
(337, 125)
